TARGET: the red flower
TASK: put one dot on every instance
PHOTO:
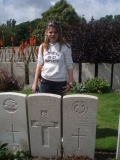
(63, 38)
(23, 53)
(28, 52)
(14, 51)
(12, 39)
(14, 60)
(2, 31)
(1, 42)
(25, 58)
(25, 43)
(36, 50)
(32, 41)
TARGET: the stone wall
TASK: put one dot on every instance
(87, 72)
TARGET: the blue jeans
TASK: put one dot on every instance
(53, 87)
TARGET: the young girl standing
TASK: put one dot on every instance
(57, 62)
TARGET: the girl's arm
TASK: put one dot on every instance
(67, 88)
(70, 74)
(35, 84)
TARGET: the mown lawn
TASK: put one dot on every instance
(107, 121)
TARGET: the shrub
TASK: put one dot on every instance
(5, 154)
(9, 83)
(78, 88)
(97, 85)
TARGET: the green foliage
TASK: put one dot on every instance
(107, 121)
(5, 154)
(21, 33)
(78, 88)
(97, 85)
(7, 34)
(3, 150)
(25, 155)
(96, 41)
(61, 12)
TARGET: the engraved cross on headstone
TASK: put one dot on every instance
(78, 136)
(12, 131)
(45, 124)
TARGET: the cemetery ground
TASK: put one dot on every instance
(107, 125)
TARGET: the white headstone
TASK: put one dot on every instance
(88, 71)
(79, 124)
(32, 69)
(76, 72)
(19, 72)
(45, 124)
(118, 141)
(5, 68)
(13, 120)
(116, 76)
(104, 71)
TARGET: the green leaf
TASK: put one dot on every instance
(2, 146)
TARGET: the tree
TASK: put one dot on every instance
(61, 12)
(21, 32)
(11, 23)
(99, 42)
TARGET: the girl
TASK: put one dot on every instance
(57, 62)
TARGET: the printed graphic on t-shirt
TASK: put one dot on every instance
(52, 57)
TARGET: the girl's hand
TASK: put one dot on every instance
(67, 88)
(34, 87)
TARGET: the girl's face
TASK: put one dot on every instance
(52, 34)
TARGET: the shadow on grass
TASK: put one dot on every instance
(106, 132)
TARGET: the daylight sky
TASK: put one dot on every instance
(28, 10)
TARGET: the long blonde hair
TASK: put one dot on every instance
(57, 27)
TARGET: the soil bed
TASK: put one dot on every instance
(98, 156)
(105, 155)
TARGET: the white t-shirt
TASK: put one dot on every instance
(56, 63)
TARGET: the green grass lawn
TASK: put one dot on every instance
(107, 120)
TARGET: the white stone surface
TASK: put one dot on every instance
(6, 53)
(5, 67)
(88, 71)
(116, 76)
(13, 120)
(32, 69)
(79, 124)
(45, 124)
(104, 71)
(118, 141)
(19, 72)
(76, 72)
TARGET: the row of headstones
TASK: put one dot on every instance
(47, 124)
(88, 72)
(7, 52)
